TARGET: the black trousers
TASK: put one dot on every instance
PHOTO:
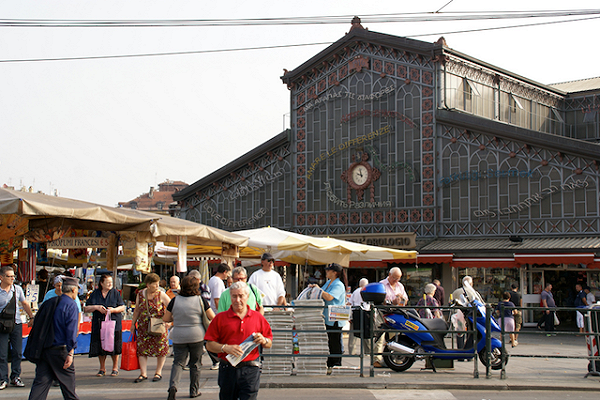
(334, 340)
(238, 383)
(51, 368)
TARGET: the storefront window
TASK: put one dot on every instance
(414, 280)
(491, 282)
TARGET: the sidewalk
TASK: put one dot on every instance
(522, 373)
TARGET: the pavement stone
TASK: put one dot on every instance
(532, 366)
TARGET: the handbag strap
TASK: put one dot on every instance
(10, 310)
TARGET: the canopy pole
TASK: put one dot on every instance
(111, 254)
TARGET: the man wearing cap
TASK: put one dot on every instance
(56, 358)
(269, 282)
(58, 282)
(12, 299)
(225, 334)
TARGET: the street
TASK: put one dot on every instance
(329, 394)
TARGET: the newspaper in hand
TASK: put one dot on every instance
(247, 346)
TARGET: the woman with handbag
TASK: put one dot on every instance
(187, 311)
(105, 299)
(152, 339)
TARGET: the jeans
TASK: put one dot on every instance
(15, 339)
(180, 358)
(238, 383)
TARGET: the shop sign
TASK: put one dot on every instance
(407, 240)
(78, 243)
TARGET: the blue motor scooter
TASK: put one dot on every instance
(413, 341)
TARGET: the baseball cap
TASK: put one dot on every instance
(267, 256)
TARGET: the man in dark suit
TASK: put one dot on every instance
(56, 361)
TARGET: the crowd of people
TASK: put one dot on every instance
(222, 316)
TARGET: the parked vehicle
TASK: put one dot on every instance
(413, 341)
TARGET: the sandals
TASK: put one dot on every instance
(156, 378)
(101, 373)
(114, 373)
(140, 379)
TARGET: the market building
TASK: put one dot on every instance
(409, 144)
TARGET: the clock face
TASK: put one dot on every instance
(360, 175)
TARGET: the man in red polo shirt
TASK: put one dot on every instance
(225, 334)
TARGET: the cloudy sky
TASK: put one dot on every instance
(106, 129)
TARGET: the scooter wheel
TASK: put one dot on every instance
(496, 360)
(398, 362)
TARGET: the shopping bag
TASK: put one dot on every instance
(107, 333)
(129, 359)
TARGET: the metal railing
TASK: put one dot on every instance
(375, 332)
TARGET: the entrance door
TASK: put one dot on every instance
(533, 284)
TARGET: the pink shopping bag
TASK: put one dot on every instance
(107, 333)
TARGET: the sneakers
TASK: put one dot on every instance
(3, 385)
(17, 382)
(215, 367)
(329, 370)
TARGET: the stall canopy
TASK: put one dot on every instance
(34, 211)
(302, 249)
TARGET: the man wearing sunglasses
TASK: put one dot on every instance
(239, 274)
(12, 299)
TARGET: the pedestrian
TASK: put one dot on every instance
(440, 293)
(590, 298)
(239, 274)
(173, 286)
(56, 359)
(515, 298)
(580, 302)
(548, 303)
(509, 320)
(269, 282)
(225, 334)
(429, 300)
(58, 281)
(217, 286)
(103, 300)
(334, 294)
(356, 302)
(185, 311)
(394, 295)
(151, 303)
(12, 301)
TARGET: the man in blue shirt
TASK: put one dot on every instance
(57, 361)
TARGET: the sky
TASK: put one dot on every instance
(106, 130)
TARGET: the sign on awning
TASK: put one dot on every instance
(78, 243)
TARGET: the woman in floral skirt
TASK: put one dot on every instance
(150, 302)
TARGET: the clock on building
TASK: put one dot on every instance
(360, 176)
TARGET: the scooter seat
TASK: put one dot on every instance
(435, 324)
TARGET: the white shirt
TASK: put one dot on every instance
(591, 299)
(270, 284)
(216, 286)
(356, 298)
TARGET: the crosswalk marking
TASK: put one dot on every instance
(412, 394)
